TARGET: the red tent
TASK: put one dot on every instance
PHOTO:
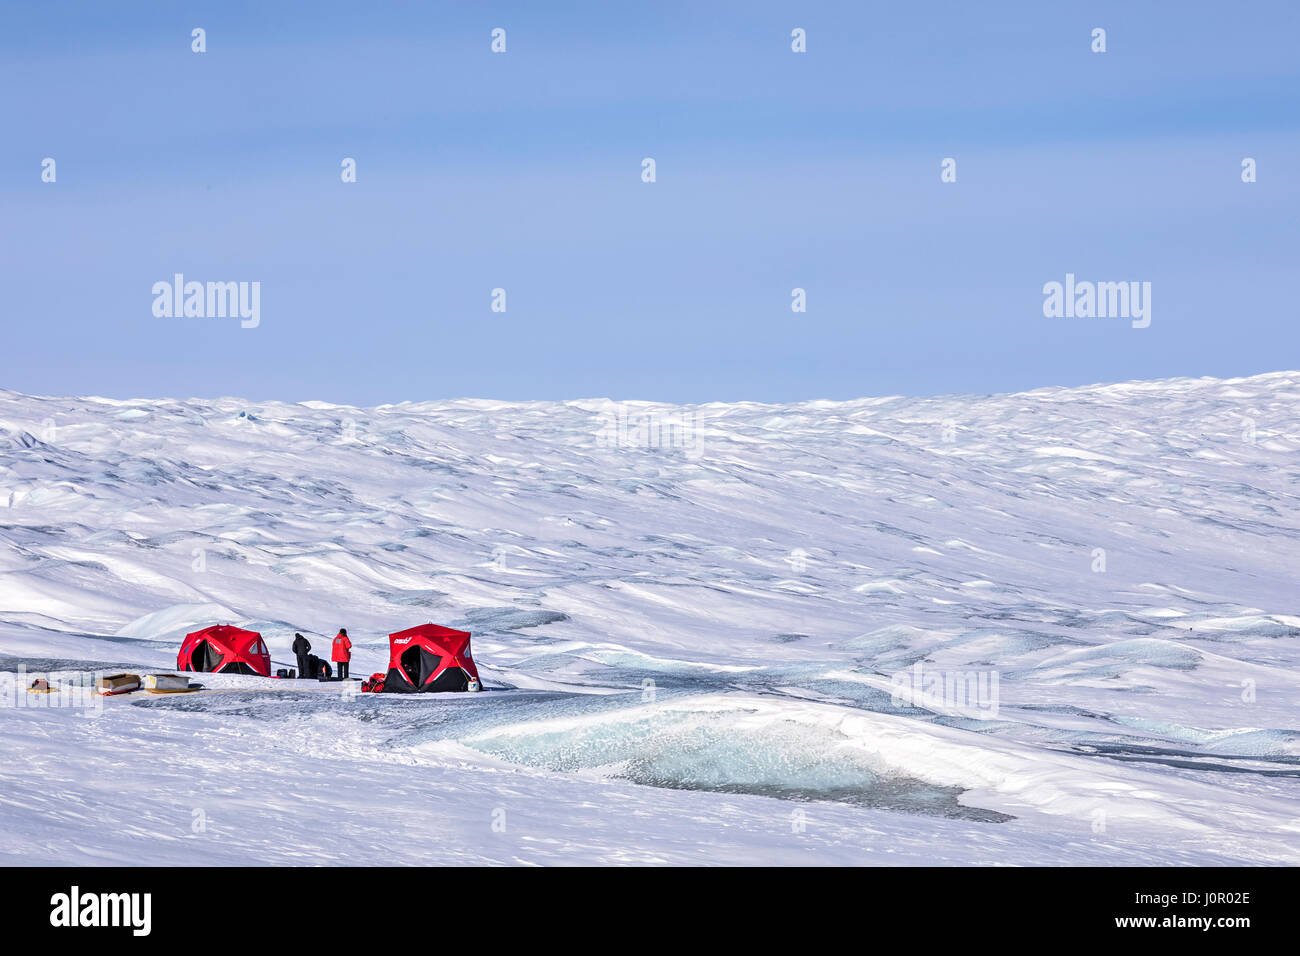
(226, 650)
(429, 658)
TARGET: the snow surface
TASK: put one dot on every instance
(692, 634)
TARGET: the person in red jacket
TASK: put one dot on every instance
(342, 652)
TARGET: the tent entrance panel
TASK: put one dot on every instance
(453, 678)
(411, 664)
(204, 657)
(395, 682)
(239, 667)
(419, 664)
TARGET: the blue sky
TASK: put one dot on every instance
(522, 171)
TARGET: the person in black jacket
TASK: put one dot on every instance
(301, 647)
